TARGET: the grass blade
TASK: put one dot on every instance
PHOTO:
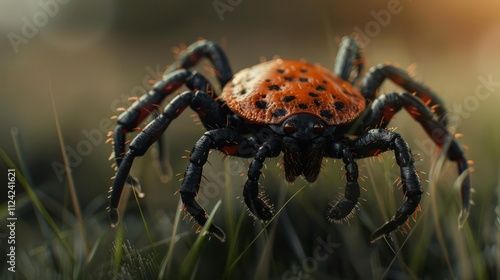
(118, 246)
(145, 223)
(231, 267)
(165, 265)
(71, 183)
(187, 268)
(38, 205)
(44, 227)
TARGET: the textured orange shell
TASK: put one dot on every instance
(272, 91)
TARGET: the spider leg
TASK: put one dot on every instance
(208, 49)
(377, 75)
(343, 207)
(140, 109)
(384, 107)
(376, 141)
(191, 57)
(160, 150)
(349, 58)
(224, 139)
(206, 107)
(253, 200)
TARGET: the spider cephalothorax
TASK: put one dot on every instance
(292, 107)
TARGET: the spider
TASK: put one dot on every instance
(292, 107)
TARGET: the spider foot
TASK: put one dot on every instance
(199, 215)
(114, 216)
(341, 210)
(212, 229)
(383, 231)
(217, 232)
(259, 208)
(389, 227)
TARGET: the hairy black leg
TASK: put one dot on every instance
(384, 107)
(140, 109)
(344, 206)
(206, 107)
(225, 140)
(207, 49)
(254, 201)
(377, 75)
(376, 141)
(349, 62)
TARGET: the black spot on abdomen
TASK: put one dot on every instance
(261, 104)
(339, 105)
(320, 88)
(288, 98)
(274, 87)
(325, 114)
(279, 113)
(303, 106)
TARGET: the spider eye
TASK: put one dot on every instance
(289, 128)
(318, 129)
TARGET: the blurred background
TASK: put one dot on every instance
(93, 55)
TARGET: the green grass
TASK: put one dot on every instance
(434, 247)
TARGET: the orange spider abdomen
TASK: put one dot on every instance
(270, 92)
